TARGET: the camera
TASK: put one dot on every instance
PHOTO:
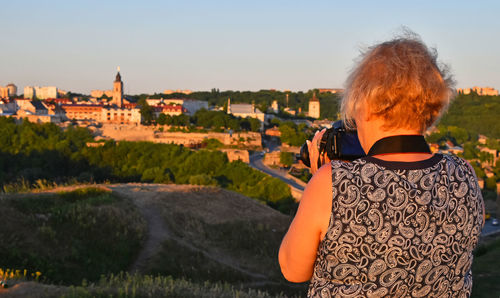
(338, 143)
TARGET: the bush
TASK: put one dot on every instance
(202, 179)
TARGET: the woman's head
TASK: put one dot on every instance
(400, 82)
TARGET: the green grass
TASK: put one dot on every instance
(486, 271)
(70, 236)
(125, 285)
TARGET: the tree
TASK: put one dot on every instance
(286, 158)
(255, 124)
(292, 134)
(162, 119)
(147, 113)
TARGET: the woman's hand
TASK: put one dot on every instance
(313, 147)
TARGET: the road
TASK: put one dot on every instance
(256, 162)
(490, 229)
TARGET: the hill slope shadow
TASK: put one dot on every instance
(207, 233)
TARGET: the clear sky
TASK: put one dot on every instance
(76, 45)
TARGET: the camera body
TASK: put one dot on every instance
(338, 143)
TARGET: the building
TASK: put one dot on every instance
(290, 111)
(330, 90)
(164, 101)
(118, 90)
(189, 106)
(35, 111)
(168, 91)
(4, 92)
(482, 139)
(101, 93)
(314, 107)
(7, 107)
(193, 105)
(273, 132)
(275, 106)
(82, 112)
(118, 111)
(8, 91)
(40, 92)
(172, 110)
(244, 110)
(57, 101)
(123, 115)
(479, 90)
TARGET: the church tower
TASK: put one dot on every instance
(118, 90)
(314, 107)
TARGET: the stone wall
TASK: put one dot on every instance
(236, 154)
(150, 133)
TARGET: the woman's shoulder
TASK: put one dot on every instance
(459, 163)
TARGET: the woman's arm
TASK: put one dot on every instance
(300, 244)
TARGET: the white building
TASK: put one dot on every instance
(40, 92)
(244, 110)
(193, 105)
(121, 115)
(275, 106)
(314, 107)
(8, 91)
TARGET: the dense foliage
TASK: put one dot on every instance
(221, 120)
(211, 120)
(474, 113)
(293, 134)
(286, 158)
(31, 151)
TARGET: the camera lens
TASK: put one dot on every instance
(304, 155)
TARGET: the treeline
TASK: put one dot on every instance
(31, 152)
(263, 99)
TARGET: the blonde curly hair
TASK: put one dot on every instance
(401, 82)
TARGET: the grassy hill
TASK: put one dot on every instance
(156, 240)
(144, 239)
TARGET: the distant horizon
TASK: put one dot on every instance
(232, 45)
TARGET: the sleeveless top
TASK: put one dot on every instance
(400, 229)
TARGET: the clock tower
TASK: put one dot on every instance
(118, 90)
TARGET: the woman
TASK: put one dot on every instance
(401, 221)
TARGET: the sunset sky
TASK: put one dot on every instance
(232, 45)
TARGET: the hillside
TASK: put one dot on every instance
(474, 113)
(198, 238)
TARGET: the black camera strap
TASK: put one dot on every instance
(400, 144)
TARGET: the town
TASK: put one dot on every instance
(165, 118)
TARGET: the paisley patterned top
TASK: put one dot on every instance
(400, 229)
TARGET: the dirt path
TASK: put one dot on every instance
(144, 197)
